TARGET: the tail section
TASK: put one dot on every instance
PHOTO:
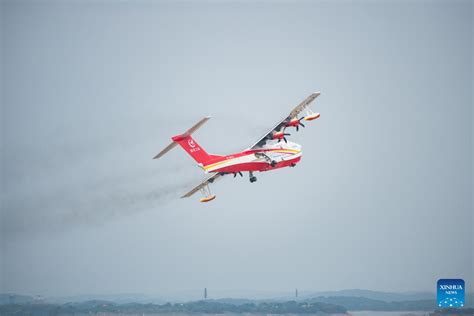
(189, 145)
(192, 148)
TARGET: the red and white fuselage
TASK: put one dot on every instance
(271, 156)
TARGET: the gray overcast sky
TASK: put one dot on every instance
(91, 91)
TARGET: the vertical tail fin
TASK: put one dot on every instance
(189, 144)
(192, 148)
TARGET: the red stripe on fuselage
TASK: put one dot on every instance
(241, 154)
(258, 166)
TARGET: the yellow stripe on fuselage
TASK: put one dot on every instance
(284, 151)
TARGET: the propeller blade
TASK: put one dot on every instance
(284, 138)
(301, 124)
(235, 174)
(297, 127)
(241, 174)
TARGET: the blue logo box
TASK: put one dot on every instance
(450, 293)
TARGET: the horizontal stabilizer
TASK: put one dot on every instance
(178, 138)
(164, 151)
(197, 125)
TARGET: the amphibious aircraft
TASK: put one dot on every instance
(271, 151)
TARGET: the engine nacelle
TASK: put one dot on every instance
(278, 135)
(294, 122)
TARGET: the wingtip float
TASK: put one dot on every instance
(207, 199)
(312, 117)
(272, 151)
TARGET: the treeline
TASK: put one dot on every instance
(453, 311)
(199, 307)
(366, 304)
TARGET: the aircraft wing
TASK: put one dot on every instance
(294, 113)
(205, 182)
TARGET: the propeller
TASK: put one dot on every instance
(299, 123)
(235, 174)
(284, 138)
(295, 123)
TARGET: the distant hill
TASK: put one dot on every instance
(349, 299)
(375, 295)
(358, 303)
(7, 298)
(196, 308)
(234, 301)
(123, 298)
